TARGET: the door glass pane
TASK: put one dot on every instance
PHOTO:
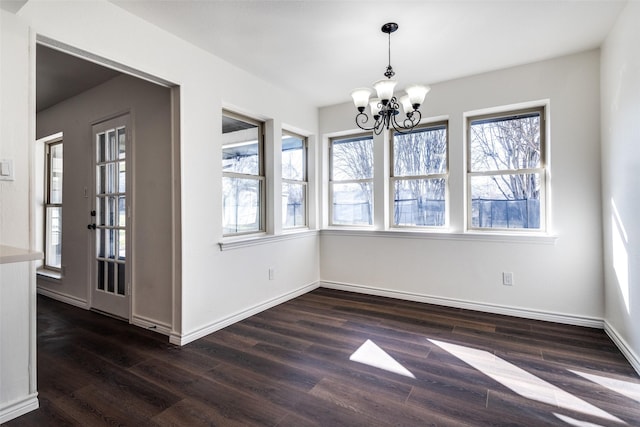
(100, 242)
(110, 185)
(121, 279)
(122, 245)
(111, 146)
(111, 211)
(100, 210)
(110, 277)
(121, 143)
(102, 148)
(122, 212)
(122, 177)
(101, 275)
(101, 176)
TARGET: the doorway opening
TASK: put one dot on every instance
(118, 236)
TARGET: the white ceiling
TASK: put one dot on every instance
(323, 49)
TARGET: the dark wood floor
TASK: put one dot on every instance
(290, 366)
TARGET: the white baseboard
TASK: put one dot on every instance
(146, 323)
(62, 297)
(625, 348)
(469, 305)
(11, 410)
(178, 339)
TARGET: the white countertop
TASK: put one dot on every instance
(10, 254)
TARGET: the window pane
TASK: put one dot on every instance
(241, 158)
(293, 162)
(505, 143)
(420, 152)
(419, 202)
(241, 205)
(53, 250)
(352, 158)
(505, 201)
(293, 205)
(240, 146)
(55, 174)
(353, 204)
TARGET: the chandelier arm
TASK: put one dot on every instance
(361, 119)
(415, 121)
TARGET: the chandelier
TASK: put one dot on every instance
(386, 107)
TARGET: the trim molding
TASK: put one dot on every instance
(19, 407)
(625, 348)
(62, 297)
(253, 240)
(184, 339)
(431, 234)
(150, 324)
(469, 305)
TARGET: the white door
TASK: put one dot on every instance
(110, 287)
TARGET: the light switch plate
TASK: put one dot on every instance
(6, 170)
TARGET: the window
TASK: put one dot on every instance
(506, 170)
(243, 181)
(419, 177)
(53, 206)
(294, 180)
(351, 180)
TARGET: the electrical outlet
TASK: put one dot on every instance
(507, 278)
(272, 273)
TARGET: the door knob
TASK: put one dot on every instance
(91, 226)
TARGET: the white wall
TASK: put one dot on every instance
(562, 278)
(15, 209)
(621, 179)
(216, 286)
(149, 108)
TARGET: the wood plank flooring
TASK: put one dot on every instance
(290, 366)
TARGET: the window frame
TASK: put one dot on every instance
(393, 178)
(260, 178)
(332, 181)
(304, 182)
(541, 170)
(48, 204)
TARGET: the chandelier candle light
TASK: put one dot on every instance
(386, 106)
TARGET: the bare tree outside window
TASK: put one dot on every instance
(506, 170)
(419, 179)
(352, 180)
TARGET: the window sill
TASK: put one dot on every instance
(49, 274)
(530, 238)
(246, 241)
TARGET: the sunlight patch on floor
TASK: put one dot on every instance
(573, 422)
(370, 354)
(522, 382)
(625, 388)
